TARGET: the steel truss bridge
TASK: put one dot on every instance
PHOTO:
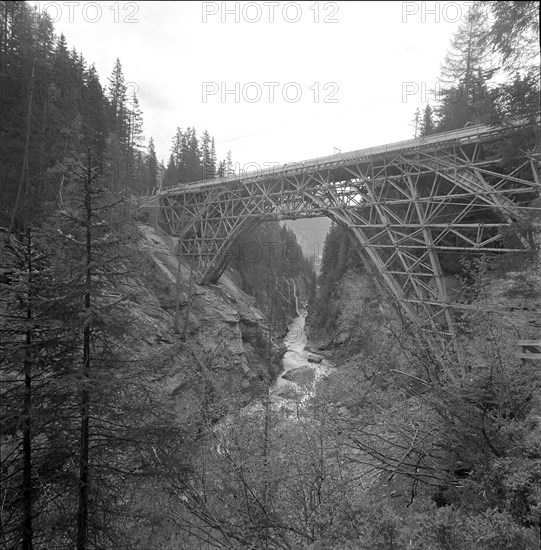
(407, 204)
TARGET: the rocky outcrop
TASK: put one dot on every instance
(504, 299)
(227, 352)
(304, 376)
(363, 320)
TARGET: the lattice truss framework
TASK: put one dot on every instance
(406, 208)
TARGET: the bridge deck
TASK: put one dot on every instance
(472, 134)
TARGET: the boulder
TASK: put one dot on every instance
(285, 392)
(312, 358)
(342, 338)
(301, 375)
(169, 301)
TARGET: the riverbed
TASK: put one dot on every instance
(297, 357)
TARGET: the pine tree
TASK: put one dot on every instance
(213, 159)
(190, 166)
(177, 147)
(151, 167)
(119, 155)
(36, 352)
(329, 255)
(95, 114)
(208, 166)
(514, 34)
(220, 172)
(416, 123)
(135, 122)
(135, 143)
(43, 362)
(228, 165)
(468, 52)
(118, 102)
(18, 343)
(84, 459)
(427, 123)
(171, 173)
(119, 423)
(337, 256)
(467, 65)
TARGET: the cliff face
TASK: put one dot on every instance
(227, 350)
(280, 308)
(358, 321)
(501, 307)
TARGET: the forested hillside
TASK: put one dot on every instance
(490, 73)
(107, 347)
(268, 260)
(54, 107)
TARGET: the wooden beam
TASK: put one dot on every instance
(533, 356)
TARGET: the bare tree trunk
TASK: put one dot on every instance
(268, 411)
(22, 183)
(27, 413)
(82, 512)
(188, 305)
(177, 304)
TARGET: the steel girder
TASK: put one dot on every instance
(408, 206)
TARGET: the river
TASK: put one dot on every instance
(297, 357)
(286, 395)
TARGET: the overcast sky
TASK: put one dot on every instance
(273, 82)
